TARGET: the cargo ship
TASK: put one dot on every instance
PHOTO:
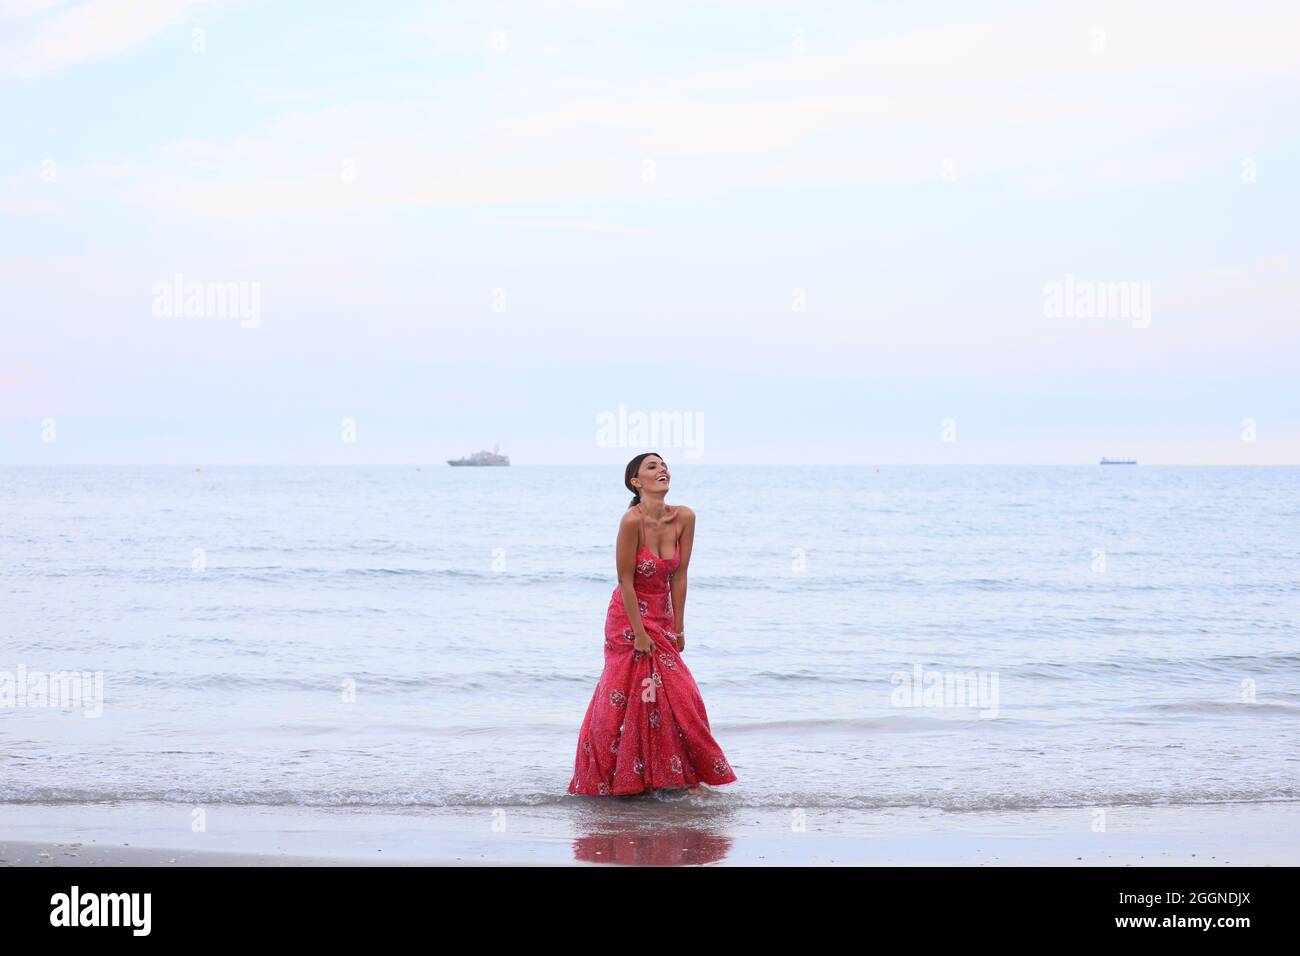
(1119, 461)
(481, 459)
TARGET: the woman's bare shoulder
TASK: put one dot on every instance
(685, 513)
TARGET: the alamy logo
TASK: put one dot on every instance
(102, 909)
(179, 299)
(58, 689)
(636, 429)
(942, 689)
(1088, 299)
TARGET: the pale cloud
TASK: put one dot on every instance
(1024, 93)
(27, 197)
(575, 225)
(54, 36)
(1261, 296)
(1261, 268)
(15, 9)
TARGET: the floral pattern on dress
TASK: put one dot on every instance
(648, 697)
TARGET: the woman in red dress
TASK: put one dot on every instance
(646, 727)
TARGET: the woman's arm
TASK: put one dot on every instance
(678, 585)
(625, 551)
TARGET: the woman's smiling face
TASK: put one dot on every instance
(653, 474)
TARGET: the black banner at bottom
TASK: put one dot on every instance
(332, 905)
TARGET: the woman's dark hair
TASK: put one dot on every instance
(629, 473)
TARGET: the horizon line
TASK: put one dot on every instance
(600, 464)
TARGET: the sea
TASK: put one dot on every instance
(865, 638)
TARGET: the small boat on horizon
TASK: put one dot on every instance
(1119, 461)
(481, 459)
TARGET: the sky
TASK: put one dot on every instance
(824, 233)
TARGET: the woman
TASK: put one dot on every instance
(646, 727)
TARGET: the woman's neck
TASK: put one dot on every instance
(654, 506)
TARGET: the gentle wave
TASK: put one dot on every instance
(770, 582)
(364, 682)
(717, 799)
(1144, 666)
(1222, 708)
(546, 680)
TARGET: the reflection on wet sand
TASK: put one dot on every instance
(653, 830)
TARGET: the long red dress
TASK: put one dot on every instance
(646, 727)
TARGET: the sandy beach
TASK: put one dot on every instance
(646, 833)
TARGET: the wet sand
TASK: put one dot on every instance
(648, 833)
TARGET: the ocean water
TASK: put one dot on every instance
(430, 638)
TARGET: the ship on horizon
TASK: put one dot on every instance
(1119, 461)
(481, 459)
